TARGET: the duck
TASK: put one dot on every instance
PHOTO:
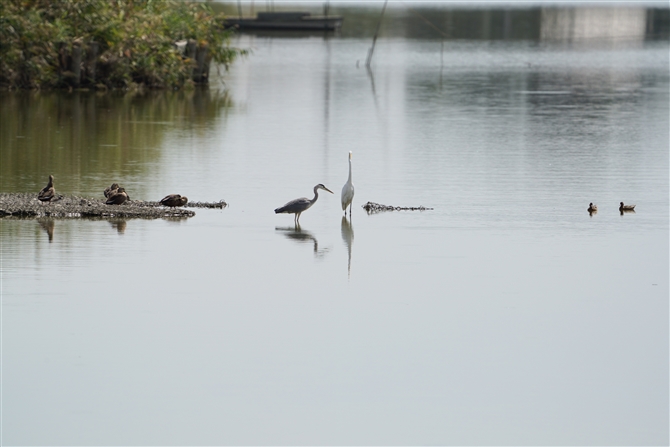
(48, 192)
(173, 200)
(592, 208)
(623, 207)
(111, 190)
(118, 197)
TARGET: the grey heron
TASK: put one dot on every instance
(173, 200)
(48, 192)
(117, 198)
(297, 206)
(348, 191)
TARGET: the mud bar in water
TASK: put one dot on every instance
(27, 205)
(372, 207)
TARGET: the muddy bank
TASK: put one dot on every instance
(27, 205)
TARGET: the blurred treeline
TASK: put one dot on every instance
(134, 39)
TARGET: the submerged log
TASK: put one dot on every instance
(372, 207)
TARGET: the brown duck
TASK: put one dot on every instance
(592, 208)
(48, 192)
(173, 200)
(623, 207)
(118, 198)
(111, 190)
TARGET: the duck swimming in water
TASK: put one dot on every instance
(623, 207)
(592, 208)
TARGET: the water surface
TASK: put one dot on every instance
(505, 315)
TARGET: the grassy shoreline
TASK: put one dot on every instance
(109, 44)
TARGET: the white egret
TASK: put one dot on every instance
(348, 191)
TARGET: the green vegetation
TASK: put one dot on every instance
(135, 42)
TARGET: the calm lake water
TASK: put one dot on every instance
(504, 315)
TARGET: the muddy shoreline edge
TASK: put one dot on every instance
(27, 205)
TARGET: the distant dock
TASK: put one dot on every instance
(285, 21)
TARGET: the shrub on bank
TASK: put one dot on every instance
(134, 42)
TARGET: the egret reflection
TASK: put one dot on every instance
(301, 236)
(348, 238)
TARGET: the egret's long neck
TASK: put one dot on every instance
(350, 170)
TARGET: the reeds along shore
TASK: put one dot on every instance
(110, 45)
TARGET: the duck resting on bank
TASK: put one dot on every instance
(111, 190)
(118, 197)
(173, 200)
(48, 192)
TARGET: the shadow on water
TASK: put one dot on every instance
(348, 238)
(302, 236)
(87, 138)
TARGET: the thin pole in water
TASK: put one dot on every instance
(374, 39)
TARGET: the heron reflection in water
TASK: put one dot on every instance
(348, 238)
(301, 236)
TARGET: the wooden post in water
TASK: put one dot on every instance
(62, 58)
(191, 47)
(76, 64)
(199, 74)
(374, 39)
(91, 61)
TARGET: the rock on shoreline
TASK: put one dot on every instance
(27, 205)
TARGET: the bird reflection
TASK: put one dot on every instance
(299, 235)
(119, 225)
(48, 225)
(348, 238)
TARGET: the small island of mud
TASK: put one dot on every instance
(27, 205)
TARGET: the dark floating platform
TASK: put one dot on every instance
(27, 205)
(372, 207)
(285, 21)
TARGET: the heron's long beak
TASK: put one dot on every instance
(328, 190)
